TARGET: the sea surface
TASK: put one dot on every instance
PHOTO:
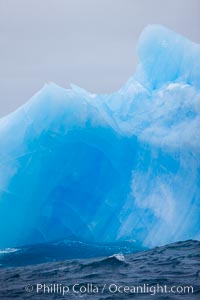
(74, 270)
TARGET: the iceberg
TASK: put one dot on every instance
(106, 168)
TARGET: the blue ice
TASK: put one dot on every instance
(104, 168)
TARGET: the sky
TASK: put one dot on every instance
(91, 43)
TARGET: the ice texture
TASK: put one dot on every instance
(124, 166)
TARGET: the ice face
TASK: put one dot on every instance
(108, 167)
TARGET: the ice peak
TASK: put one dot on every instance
(166, 56)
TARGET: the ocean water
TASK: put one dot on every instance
(114, 276)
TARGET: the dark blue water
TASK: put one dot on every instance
(168, 272)
(62, 250)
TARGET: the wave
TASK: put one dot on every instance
(65, 250)
(176, 264)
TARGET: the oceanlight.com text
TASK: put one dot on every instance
(111, 288)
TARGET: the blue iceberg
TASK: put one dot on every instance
(105, 168)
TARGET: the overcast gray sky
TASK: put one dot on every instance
(91, 43)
